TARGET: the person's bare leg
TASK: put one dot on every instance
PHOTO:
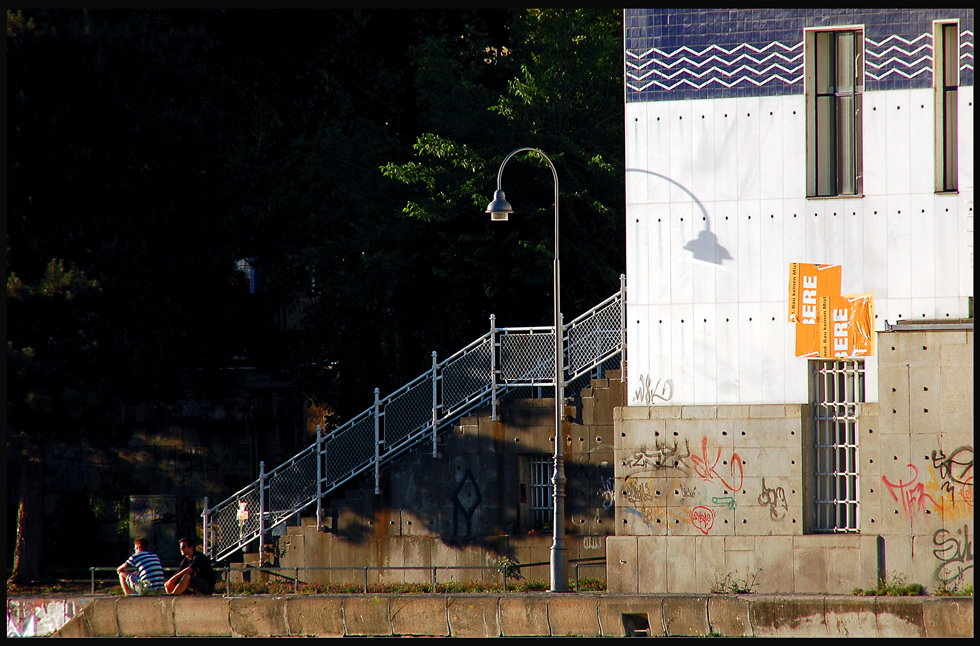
(124, 583)
(178, 582)
(181, 585)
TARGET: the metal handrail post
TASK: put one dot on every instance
(435, 406)
(205, 536)
(319, 477)
(261, 512)
(493, 368)
(377, 441)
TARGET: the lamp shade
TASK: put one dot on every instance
(499, 208)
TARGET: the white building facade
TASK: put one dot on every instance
(756, 139)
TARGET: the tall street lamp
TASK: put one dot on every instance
(499, 209)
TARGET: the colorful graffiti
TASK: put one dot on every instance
(689, 505)
(709, 473)
(703, 518)
(946, 490)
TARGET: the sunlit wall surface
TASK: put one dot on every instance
(723, 145)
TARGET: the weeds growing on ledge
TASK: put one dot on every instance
(281, 587)
(893, 587)
(453, 587)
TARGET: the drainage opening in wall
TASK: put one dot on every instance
(636, 625)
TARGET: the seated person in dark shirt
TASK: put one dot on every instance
(194, 576)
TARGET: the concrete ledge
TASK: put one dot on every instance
(533, 614)
(257, 616)
(201, 617)
(472, 616)
(308, 616)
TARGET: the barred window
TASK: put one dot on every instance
(541, 501)
(837, 389)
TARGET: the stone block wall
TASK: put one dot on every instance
(712, 494)
(920, 497)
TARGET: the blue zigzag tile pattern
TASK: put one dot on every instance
(714, 66)
(678, 54)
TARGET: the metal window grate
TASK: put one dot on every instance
(542, 489)
(838, 389)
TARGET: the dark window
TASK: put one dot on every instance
(834, 108)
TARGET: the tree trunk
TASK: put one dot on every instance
(30, 521)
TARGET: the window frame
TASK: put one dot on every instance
(946, 106)
(839, 97)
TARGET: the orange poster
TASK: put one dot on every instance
(862, 324)
(807, 285)
(846, 326)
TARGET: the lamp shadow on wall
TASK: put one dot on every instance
(705, 247)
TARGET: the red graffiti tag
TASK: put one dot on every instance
(708, 472)
(703, 518)
(912, 495)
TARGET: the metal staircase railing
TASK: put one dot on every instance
(475, 377)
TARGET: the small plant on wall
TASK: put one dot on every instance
(729, 584)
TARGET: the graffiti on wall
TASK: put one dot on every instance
(955, 553)
(660, 457)
(730, 474)
(955, 471)
(703, 519)
(774, 499)
(720, 473)
(647, 391)
(466, 500)
(40, 617)
(946, 489)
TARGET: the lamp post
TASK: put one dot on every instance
(499, 209)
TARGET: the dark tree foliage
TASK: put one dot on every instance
(121, 236)
(348, 154)
(554, 85)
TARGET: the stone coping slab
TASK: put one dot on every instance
(524, 614)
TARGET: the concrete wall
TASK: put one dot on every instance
(917, 467)
(590, 615)
(709, 492)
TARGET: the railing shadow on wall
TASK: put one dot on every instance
(497, 364)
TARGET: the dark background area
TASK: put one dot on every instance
(347, 156)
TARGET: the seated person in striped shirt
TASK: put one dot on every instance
(142, 572)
